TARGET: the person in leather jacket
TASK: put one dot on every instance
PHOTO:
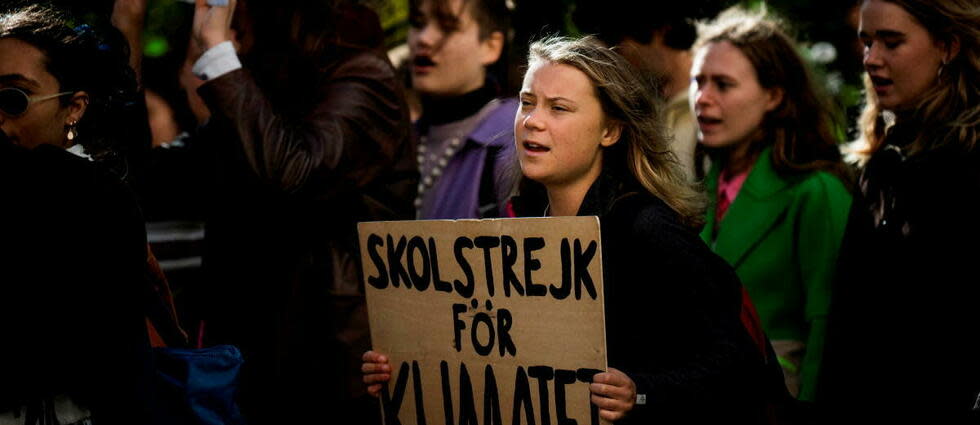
(308, 135)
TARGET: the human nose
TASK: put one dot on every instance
(532, 121)
(872, 55)
(427, 36)
(703, 95)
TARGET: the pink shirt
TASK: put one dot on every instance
(728, 188)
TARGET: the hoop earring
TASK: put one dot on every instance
(72, 131)
(939, 72)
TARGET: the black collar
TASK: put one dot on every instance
(441, 110)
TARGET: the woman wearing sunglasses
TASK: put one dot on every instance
(71, 319)
(901, 341)
(65, 85)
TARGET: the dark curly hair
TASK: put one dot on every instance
(81, 59)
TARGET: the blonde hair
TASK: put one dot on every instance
(949, 111)
(632, 103)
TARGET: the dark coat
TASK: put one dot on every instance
(672, 313)
(71, 274)
(281, 254)
(901, 340)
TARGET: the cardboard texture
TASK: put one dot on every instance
(489, 342)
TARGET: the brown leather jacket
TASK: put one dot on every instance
(293, 177)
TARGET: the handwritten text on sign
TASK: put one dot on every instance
(487, 321)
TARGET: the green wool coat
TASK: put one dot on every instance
(782, 235)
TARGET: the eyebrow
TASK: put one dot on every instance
(883, 33)
(714, 77)
(550, 99)
(7, 78)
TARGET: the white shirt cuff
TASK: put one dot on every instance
(217, 61)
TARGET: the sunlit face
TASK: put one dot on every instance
(44, 122)
(560, 129)
(728, 100)
(449, 61)
(900, 55)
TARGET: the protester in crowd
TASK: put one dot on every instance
(778, 201)
(656, 40)
(310, 135)
(590, 141)
(465, 130)
(75, 337)
(900, 341)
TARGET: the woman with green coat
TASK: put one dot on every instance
(778, 201)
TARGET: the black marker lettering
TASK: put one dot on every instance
(394, 404)
(543, 375)
(381, 280)
(482, 318)
(522, 397)
(467, 409)
(447, 395)
(395, 253)
(437, 283)
(563, 377)
(417, 386)
(491, 401)
(582, 276)
(566, 273)
(487, 243)
(587, 375)
(420, 280)
(466, 290)
(508, 252)
(531, 264)
(458, 325)
(504, 322)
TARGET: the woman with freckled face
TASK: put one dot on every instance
(777, 199)
(591, 148)
(900, 342)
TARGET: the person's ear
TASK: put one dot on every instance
(491, 48)
(775, 95)
(611, 134)
(76, 107)
(950, 49)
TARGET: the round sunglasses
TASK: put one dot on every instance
(14, 102)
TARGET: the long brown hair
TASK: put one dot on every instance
(291, 43)
(800, 128)
(948, 113)
(643, 149)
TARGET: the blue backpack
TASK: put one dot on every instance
(198, 386)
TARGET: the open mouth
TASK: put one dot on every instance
(423, 61)
(881, 82)
(535, 148)
(703, 120)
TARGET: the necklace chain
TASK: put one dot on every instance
(429, 180)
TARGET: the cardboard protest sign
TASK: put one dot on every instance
(485, 320)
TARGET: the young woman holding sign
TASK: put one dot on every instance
(590, 142)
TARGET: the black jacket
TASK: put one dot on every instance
(672, 312)
(71, 286)
(901, 340)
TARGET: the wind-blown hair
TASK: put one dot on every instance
(643, 150)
